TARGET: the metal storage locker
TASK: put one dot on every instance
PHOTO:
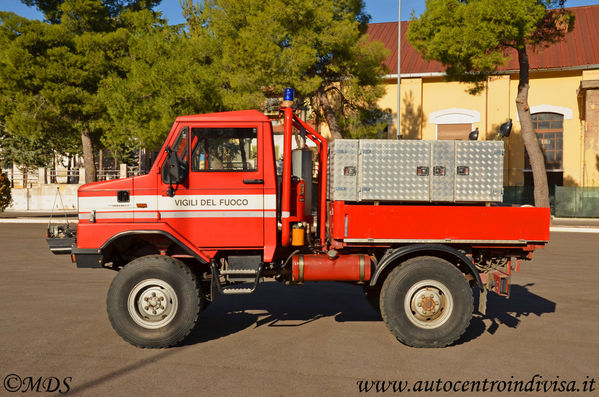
(479, 170)
(443, 171)
(429, 171)
(394, 170)
(343, 170)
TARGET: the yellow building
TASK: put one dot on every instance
(563, 97)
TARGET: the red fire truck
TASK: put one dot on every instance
(213, 213)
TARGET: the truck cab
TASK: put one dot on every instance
(225, 199)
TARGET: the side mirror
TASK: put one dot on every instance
(505, 129)
(473, 135)
(174, 171)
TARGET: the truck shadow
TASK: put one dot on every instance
(506, 312)
(277, 305)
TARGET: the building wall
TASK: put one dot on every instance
(429, 101)
(589, 100)
(45, 197)
(556, 92)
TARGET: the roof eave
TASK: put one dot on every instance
(499, 72)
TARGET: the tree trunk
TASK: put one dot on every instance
(329, 113)
(139, 162)
(24, 175)
(531, 143)
(69, 163)
(88, 157)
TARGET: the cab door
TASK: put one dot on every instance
(221, 202)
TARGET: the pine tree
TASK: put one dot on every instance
(472, 38)
(319, 48)
(50, 72)
(163, 75)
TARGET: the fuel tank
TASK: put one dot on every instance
(319, 267)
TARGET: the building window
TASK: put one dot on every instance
(458, 132)
(454, 123)
(549, 128)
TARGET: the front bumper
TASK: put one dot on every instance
(87, 257)
(62, 240)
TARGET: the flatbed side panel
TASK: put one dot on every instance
(405, 223)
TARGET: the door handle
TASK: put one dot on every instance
(253, 181)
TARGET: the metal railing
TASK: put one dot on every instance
(106, 175)
(63, 176)
(20, 180)
(132, 171)
(577, 202)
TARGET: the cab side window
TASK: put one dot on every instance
(224, 149)
(180, 146)
(181, 149)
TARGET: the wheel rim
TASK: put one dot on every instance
(152, 303)
(428, 304)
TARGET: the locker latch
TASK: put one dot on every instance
(439, 170)
(463, 170)
(422, 171)
(349, 171)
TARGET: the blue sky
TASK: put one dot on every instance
(380, 10)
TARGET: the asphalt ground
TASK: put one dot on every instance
(315, 339)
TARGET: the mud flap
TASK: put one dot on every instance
(482, 302)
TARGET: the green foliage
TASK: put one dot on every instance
(113, 71)
(50, 73)
(48, 78)
(53, 9)
(5, 197)
(28, 82)
(261, 47)
(472, 38)
(362, 117)
(23, 151)
(162, 76)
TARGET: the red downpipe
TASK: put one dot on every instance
(286, 194)
(322, 172)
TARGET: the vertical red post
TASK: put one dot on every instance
(286, 194)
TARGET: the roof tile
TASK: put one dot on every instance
(578, 49)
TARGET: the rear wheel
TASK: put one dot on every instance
(154, 302)
(426, 302)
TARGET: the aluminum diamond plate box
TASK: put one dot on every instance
(443, 171)
(482, 180)
(416, 171)
(343, 170)
(394, 170)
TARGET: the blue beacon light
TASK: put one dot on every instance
(288, 94)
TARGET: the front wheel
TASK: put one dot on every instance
(426, 302)
(154, 302)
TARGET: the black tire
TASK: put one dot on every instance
(173, 295)
(207, 296)
(205, 285)
(426, 283)
(373, 297)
